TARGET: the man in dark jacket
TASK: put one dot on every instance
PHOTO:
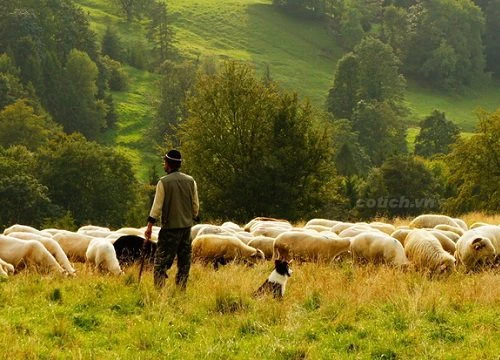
(176, 202)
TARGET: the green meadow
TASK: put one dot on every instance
(300, 54)
(330, 311)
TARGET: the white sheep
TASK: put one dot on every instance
(456, 230)
(6, 268)
(74, 244)
(478, 224)
(424, 250)
(249, 227)
(323, 222)
(21, 228)
(479, 246)
(223, 248)
(308, 247)
(102, 254)
(318, 228)
(400, 234)
(30, 252)
(447, 244)
(461, 224)
(356, 230)
(378, 247)
(51, 245)
(385, 228)
(263, 243)
(431, 220)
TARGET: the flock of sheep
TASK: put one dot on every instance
(436, 244)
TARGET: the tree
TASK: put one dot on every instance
(253, 150)
(446, 47)
(475, 168)
(94, 183)
(436, 135)
(82, 112)
(24, 199)
(133, 8)
(343, 96)
(111, 44)
(175, 85)
(161, 33)
(19, 125)
(492, 37)
(395, 30)
(403, 186)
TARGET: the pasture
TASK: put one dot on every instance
(329, 311)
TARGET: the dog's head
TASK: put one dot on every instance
(283, 267)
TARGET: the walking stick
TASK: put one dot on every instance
(143, 258)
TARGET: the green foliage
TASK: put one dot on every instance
(111, 44)
(254, 150)
(161, 33)
(403, 186)
(116, 75)
(343, 96)
(24, 199)
(492, 36)
(94, 183)
(395, 30)
(446, 47)
(475, 168)
(177, 80)
(436, 135)
(82, 112)
(19, 125)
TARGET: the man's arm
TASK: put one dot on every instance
(196, 201)
(156, 209)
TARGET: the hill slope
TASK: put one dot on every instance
(301, 55)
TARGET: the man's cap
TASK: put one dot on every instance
(173, 155)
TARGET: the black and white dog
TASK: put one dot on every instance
(276, 282)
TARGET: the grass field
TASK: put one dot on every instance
(301, 55)
(330, 311)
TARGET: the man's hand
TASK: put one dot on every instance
(148, 232)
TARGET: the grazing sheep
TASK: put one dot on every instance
(461, 224)
(130, 231)
(51, 245)
(6, 268)
(323, 222)
(102, 254)
(444, 227)
(22, 228)
(208, 229)
(271, 229)
(130, 248)
(318, 228)
(263, 243)
(249, 227)
(431, 220)
(356, 230)
(378, 247)
(74, 245)
(29, 252)
(92, 227)
(231, 226)
(338, 228)
(447, 244)
(308, 247)
(400, 234)
(385, 228)
(220, 249)
(424, 250)
(479, 246)
(478, 224)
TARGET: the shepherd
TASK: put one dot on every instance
(176, 203)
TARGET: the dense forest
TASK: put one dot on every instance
(255, 148)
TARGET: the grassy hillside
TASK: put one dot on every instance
(300, 53)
